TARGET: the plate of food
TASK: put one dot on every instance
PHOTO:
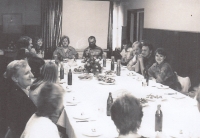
(108, 81)
(86, 76)
(143, 102)
(131, 73)
(152, 97)
(178, 96)
(110, 73)
(78, 70)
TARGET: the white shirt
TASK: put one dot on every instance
(40, 127)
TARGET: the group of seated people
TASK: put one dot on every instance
(34, 100)
(140, 57)
(65, 51)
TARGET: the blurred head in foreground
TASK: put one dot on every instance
(126, 112)
(50, 100)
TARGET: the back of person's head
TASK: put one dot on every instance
(23, 42)
(13, 68)
(148, 44)
(137, 43)
(50, 99)
(36, 63)
(126, 112)
(21, 54)
(49, 72)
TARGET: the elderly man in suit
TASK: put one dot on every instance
(19, 107)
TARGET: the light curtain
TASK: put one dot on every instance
(110, 28)
(51, 25)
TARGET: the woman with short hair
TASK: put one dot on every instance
(162, 71)
(38, 46)
(126, 112)
(65, 51)
(40, 124)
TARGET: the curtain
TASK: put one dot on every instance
(110, 26)
(51, 25)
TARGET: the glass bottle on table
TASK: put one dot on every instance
(158, 119)
(118, 70)
(112, 63)
(104, 60)
(109, 103)
(61, 71)
(146, 76)
(70, 77)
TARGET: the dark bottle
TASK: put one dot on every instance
(118, 71)
(104, 62)
(146, 76)
(158, 119)
(61, 71)
(109, 103)
(70, 77)
(112, 63)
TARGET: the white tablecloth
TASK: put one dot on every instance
(179, 115)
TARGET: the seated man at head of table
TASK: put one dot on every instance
(92, 50)
(19, 107)
(146, 58)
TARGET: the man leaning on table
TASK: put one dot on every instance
(92, 49)
(146, 58)
(19, 107)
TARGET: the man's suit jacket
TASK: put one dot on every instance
(19, 109)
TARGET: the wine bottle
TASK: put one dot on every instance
(112, 63)
(70, 77)
(104, 62)
(61, 71)
(109, 103)
(118, 70)
(158, 119)
(146, 76)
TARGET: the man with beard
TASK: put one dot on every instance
(92, 50)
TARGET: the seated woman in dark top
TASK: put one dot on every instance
(126, 112)
(162, 72)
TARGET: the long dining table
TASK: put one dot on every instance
(85, 104)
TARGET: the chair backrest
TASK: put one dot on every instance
(185, 83)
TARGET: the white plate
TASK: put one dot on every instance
(131, 74)
(73, 102)
(162, 87)
(70, 104)
(178, 96)
(81, 117)
(104, 83)
(92, 134)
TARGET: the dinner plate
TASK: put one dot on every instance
(92, 134)
(178, 96)
(162, 87)
(71, 104)
(73, 101)
(131, 74)
(81, 117)
(104, 83)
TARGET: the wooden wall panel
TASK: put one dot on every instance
(183, 48)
